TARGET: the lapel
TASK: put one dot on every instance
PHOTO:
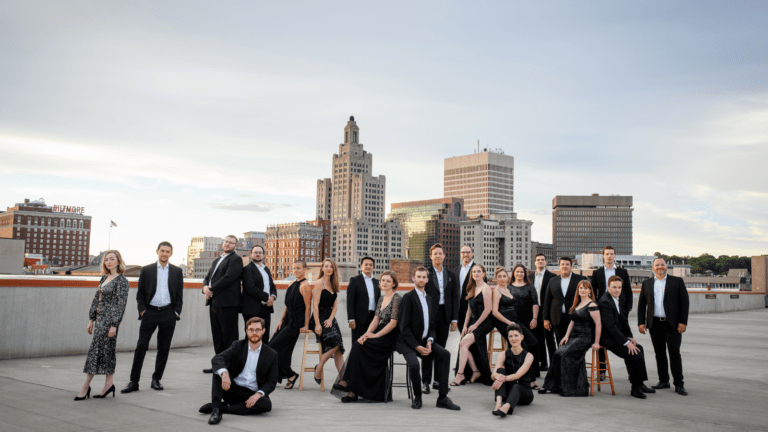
(434, 279)
(572, 286)
(153, 289)
(365, 289)
(257, 275)
(418, 305)
(244, 354)
(376, 291)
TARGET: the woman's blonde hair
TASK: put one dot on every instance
(120, 263)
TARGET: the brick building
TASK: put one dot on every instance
(289, 242)
(61, 234)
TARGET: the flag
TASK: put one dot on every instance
(113, 224)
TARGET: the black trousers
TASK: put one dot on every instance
(442, 329)
(165, 323)
(513, 393)
(635, 363)
(546, 340)
(561, 328)
(666, 338)
(362, 327)
(266, 315)
(442, 359)
(224, 327)
(236, 397)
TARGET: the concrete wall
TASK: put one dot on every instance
(11, 256)
(47, 315)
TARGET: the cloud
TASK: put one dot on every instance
(259, 207)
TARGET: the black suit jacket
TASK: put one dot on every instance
(233, 359)
(676, 302)
(253, 290)
(148, 287)
(463, 294)
(357, 298)
(548, 275)
(554, 300)
(225, 284)
(599, 284)
(616, 331)
(450, 292)
(411, 322)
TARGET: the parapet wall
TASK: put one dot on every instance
(47, 316)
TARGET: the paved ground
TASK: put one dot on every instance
(723, 357)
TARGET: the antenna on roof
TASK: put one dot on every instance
(478, 146)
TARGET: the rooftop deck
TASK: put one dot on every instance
(723, 359)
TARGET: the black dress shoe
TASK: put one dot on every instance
(215, 417)
(425, 388)
(681, 390)
(208, 371)
(661, 385)
(435, 385)
(348, 399)
(447, 403)
(339, 387)
(416, 404)
(156, 385)
(645, 389)
(131, 387)
(206, 409)
(636, 392)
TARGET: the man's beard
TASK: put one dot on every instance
(256, 337)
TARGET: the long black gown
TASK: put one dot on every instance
(508, 308)
(285, 339)
(330, 337)
(479, 349)
(525, 299)
(568, 372)
(365, 370)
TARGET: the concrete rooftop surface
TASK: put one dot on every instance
(723, 360)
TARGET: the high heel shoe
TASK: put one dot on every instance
(317, 380)
(87, 395)
(109, 390)
(462, 381)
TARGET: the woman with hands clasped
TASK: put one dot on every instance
(105, 315)
(568, 372)
(512, 374)
(477, 325)
(325, 304)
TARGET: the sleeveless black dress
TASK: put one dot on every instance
(568, 372)
(508, 307)
(285, 339)
(479, 350)
(330, 337)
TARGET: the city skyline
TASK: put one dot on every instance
(216, 119)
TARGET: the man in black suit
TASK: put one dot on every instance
(159, 299)
(617, 338)
(666, 298)
(464, 272)
(443, 290)
(546, 337)
(259, 290)
(254, 366)
(558, 299)
(362, 296)
(416, 339)
(221, 288)
(600, 277)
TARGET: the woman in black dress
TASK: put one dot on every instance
(105, 315)
(365, 373)
(505, 313)
(325, 305)
(477, 325)
(568, 372)
(512, 374)
(527, 306)
(295, 320)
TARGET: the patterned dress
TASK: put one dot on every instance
(106, 312)
(366, 370)
(330, 337)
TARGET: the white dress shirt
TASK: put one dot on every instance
(440, 285)
(537, 281)
(247, 377)
(464, 272)
(659, 286)
(425, 308)
(223, 257)
(265, 278)
(609, 272)
(564, 286)
(162, 296)
(371, 296)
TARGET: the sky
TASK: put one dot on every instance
(182, 119)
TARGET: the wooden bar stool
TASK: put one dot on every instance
(595, 367)
(304, 368)
(492, 349)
